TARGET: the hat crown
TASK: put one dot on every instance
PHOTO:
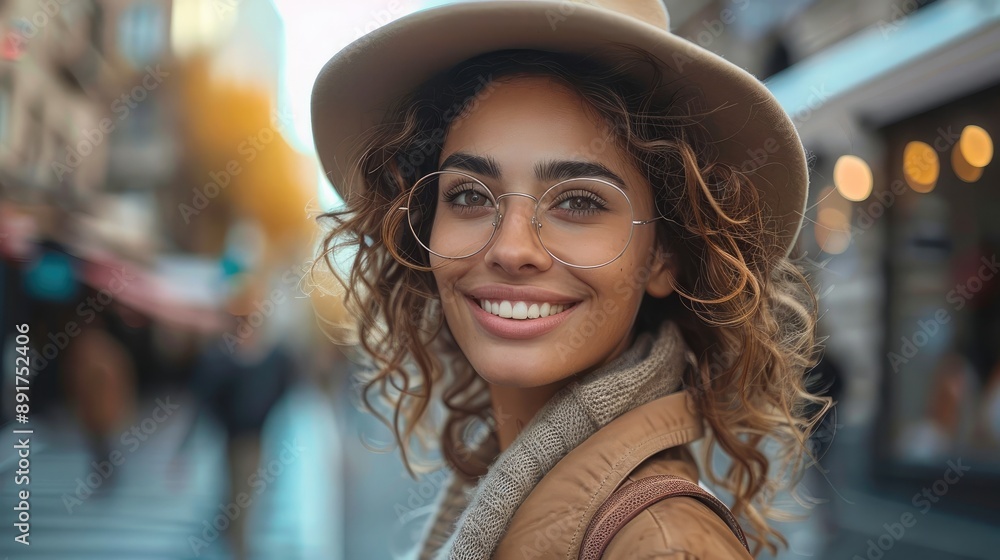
(653, 12)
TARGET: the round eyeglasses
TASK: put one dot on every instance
(581, 222)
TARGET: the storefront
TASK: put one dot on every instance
(940, 390)
(902, 235)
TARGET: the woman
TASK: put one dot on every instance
(571, 228)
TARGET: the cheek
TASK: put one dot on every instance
(627, 284)
(446, 273)
(618, 296)
(443, 282)
(622, 296)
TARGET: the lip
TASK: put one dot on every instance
(516, 329)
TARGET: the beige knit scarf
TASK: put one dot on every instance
(651, 368)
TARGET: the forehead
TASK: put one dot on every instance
(530, 118)
(526, 122)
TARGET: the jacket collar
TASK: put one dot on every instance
(555, 515)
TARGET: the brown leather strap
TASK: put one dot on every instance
(629, 500)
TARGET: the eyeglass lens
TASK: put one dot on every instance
(581, 222)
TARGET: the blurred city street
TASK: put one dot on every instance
(195, 390)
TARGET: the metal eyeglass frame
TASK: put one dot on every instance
(498, 220)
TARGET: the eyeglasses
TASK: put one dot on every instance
(581, 222)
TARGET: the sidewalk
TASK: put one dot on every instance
(167, 489)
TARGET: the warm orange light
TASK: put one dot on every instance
(963, 169)
(921, 166)
(833, 222)
(976, 146)
(832, 241)
(832, 218)
(832, 209)
(853, 178)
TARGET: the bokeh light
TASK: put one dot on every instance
(976, 146)
(833, 222)
(853, 178)
(921, 166)
(963, 169)
(199, 26)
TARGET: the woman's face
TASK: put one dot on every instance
(520, 125)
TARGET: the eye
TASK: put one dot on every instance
(579, 203)
(580, 200)
(469, 197)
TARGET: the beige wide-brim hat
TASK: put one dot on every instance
(748, 127)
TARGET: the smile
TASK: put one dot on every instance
(519, 312)
(525, 310)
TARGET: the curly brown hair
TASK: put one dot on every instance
(745, 309)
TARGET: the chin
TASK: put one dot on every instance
(533, 374)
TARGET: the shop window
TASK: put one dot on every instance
(941, 390)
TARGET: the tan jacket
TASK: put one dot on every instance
(649, 440)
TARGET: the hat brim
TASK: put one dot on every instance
(747, 125)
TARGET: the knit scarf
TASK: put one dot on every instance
(651, 368)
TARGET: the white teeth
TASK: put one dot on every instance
(506, 309)
(520, 309)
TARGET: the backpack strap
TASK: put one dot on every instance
(628, 501)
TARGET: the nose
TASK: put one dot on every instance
(515, 247)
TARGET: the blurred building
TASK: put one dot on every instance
(145, 136)
(898, 104)
(55, 89)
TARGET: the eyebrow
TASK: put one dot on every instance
(548, 171)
